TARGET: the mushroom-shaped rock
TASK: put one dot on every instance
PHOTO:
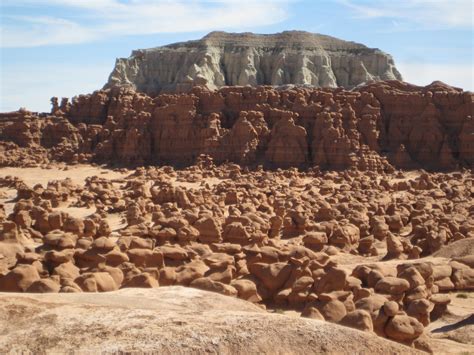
(67, 271)
(394, 248)
(44, 286)
(143, 280)
(189, 272)
(146, 257)
(441, 302)
(332, 310)
(463, 279)
(115, 257)
(236, 233)
(19, 279)
(209, 230)
(403, 328)
(187, 234)
(413, 276)
(247, 290)
(390, 308)
(371, 304)
(219, 260)
(358, 319)
(345, 236)
(315, 240)
(96, 282)
(334, 280)
(74, 225)
(59, 257)
(420, 309)
(69, 286)
(173, 252)
(273, 276)
(103, 244)
(115, 272)
(60, 240)
(392, 285)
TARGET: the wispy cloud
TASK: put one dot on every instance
(30, 31)
(90, 20)
(416, 14)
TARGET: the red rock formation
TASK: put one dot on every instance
(377, 125)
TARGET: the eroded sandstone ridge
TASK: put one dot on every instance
(374, 127)
(220, 59)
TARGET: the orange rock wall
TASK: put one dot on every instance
(371, 128)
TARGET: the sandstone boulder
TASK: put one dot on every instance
(19, 279)
(358, 319)
(403, 329)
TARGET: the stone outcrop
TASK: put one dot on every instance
(371, 128)
(224, 59)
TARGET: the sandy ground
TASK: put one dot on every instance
(168, 320)
(77, 173)
(451, 334)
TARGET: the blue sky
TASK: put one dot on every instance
(68, 47)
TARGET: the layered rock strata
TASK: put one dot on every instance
(375, 127)
(220, 59)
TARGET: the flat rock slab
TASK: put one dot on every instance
(168, 320)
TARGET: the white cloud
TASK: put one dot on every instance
(43, 30)
(98, 19)
(424, 14)
(425, 73)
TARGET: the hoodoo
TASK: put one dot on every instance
(370, 128)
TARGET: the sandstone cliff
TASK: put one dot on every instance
(224, 59)
(373, 127)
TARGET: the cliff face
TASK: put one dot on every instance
(225, 59)
(371, 128)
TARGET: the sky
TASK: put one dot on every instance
(68, 47)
